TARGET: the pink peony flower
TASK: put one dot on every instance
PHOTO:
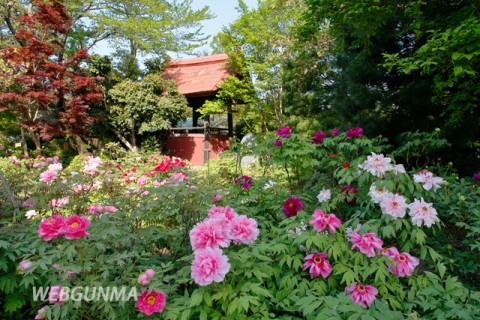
(143, 279)
(221, 212)
(48, 176)
(51, 228)
(24, 265)
(56, 295)
(245, 181)
(284, 132)
(210, 233)
(60, 202)
(209, 265)
(366, 243)
(55, 167)
(142, 181)
(423, 213)
(243, 230)
(318, 265)
(394, 205)
(150, 302)
(377, 164)
(28, 203)
(428, 180)
(150, 273)
(75, 227)
(363, 294)
(334, 132)
(354, 132)
(321, 220)
(278, 143)
(292, 206)
(403, 265)
(389, 252)
(318, 137)
(217, 198)
(39, 315)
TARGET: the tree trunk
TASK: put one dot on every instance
(124, 140)
(80, 145)
(36, 140)
(24, 142)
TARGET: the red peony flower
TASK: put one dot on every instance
(292, 206)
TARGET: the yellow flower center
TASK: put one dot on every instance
(74, 225)
(361, 288)
(151, 300)
(402, 258)
(317, 260)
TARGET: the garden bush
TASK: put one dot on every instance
(323, 227)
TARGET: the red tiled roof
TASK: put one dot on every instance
(198, 76)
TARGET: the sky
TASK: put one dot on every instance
(225, 13)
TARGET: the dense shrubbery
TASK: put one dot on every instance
(336, 223)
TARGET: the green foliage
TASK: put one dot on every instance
(145, 106)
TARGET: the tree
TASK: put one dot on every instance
(262, 41)
(132, 27)
(401, 66)
(146, 106)
(50, 94)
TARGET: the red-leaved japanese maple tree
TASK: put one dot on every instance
(50, 93)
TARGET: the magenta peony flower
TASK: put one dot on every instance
(317, 264)
(221, 212)
(318, 137)
(210, 233)
(245, 181)
(75, 227)
(423, 213)
(394, 205)
(354, 132)
(321, 220)
(403, 264)
(278, 143)
(243, 230)
(292, 206)
(48, 176)
(209, 265)
(363, 294)
(56, 295)
(150, 302)
(284, 132)
(334, 132)
(476, 177)
(366, 243)
(51, 228)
